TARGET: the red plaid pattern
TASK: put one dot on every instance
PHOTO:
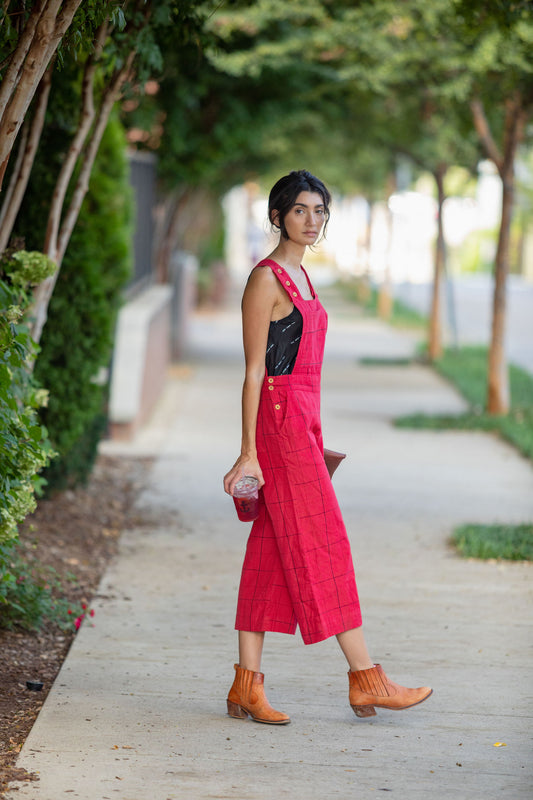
(298, 567)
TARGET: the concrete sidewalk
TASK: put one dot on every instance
(138, 710)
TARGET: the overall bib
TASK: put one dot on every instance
(298, 567)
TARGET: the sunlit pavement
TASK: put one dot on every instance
(138, 710)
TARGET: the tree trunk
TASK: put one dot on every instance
(364, 289)
(86, 119)
(56, 248)
(435, 317)
(25, 158)
(50, 28)
(498, 394)
(12, 74)
(5, 229)
(385, 301)
(498, 397)
(166, 234)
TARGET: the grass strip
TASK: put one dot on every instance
(511, 542)
(467, 368)
(377, 361)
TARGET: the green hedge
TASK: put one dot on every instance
(24, 444)
(77, 340)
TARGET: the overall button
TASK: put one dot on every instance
(277, 406)
(271, 380)
(295, 294)
(270, 388)
(288, 283)
(280, 271)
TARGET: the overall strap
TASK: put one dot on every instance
(284, 278)
(281, 275)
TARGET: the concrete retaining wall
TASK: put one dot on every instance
(140, 360)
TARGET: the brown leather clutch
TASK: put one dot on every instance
(332, 459)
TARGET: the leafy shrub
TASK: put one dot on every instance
(31, 594)
(77, 340)
(24, 445)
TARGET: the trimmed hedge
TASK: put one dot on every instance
(77, 340)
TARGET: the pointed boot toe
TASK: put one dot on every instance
(372, 687)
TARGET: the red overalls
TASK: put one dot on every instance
(298, 566)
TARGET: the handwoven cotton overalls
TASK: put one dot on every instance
(298, 566)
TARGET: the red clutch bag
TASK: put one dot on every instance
(332, 459)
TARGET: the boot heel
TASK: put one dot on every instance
(364, 711)
(236, 711)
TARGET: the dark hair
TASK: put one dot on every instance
(285, 192)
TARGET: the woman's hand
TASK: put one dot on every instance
(245, 465)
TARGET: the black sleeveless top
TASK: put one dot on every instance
(283, 342)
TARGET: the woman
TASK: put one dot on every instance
(298, 567)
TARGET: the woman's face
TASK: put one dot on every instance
(305, 219)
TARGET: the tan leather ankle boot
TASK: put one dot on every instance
(371, 687)
(247, 697)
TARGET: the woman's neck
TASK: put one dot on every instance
(288, 254)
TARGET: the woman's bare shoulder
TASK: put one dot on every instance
(262, 279)
(263, 273)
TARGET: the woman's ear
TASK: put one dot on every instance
(274, 217)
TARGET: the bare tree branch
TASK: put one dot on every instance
(25, 159)
(8, 194)
(515, 119)
(482, 127)
(49, 32)
(12, 75)
(44, 291)
(82, 184)
(86, 119)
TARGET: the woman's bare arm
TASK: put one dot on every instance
(261, 296)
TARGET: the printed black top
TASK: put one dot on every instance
(283, 342)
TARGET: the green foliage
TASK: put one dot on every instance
(466, 368)
(475, 253)
(30, 594)
(27, 268)
(24, 445)
(412, 66)
(77, 339)
(512, 542)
